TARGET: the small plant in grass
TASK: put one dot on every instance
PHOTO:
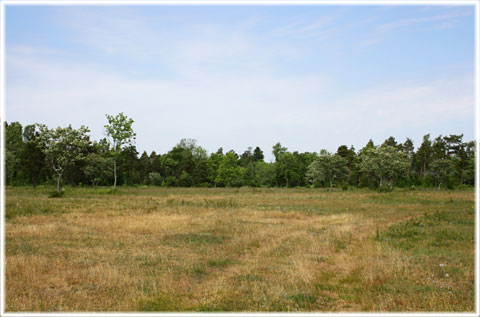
(57, 194)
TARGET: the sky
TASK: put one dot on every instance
(311, 77)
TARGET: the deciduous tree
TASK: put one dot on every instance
(120, 133)
(63, 147)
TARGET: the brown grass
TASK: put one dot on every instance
(158, 249)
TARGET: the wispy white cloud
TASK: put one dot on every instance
(449, 18)
(428, 21)
(118, 31)
(417, 103)
(83, 93)
(302, 28)
(190, 49)
(226, 110)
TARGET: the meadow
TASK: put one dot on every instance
(239, 249)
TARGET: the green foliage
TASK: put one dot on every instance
(37, 154)
(10, 163)
(33, 159)
(327, 167)
(120, 133)
(264, 174)
(384, 162)
(442, 170)
(229, 173)
(155, 179)
(63, 147)
(97, 168)
(385, 189)
(119, 130)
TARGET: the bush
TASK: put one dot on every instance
(155, 179)
(169, 181)
(384, 189)
(317, 185)
(345, 186)
(56, 194)
(413, 187)
(465, 187)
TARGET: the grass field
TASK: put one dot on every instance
(180, 249)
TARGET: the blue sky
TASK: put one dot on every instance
(311, 77)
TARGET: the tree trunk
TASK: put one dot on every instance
(331, 185)
(114, 173)
(59, 182)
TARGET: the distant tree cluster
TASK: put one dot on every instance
(35, 154)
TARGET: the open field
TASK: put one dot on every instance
(186, 249)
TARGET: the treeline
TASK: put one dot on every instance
(36, 154)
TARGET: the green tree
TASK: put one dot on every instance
(439, 149)
(290, 165)
(424, 156)
(120, 133)
(264, 174)
(10, 163)
(281, 178)
(350, 156)
(391, 142)
(469, 172)
(246, 158)
(258, 154)
(97, 168)
(327, 167)
(144, 165)
(229, 172)
(442, 170)
(63, 147)
(15, 145)
(213, 164)
(33, 159)
(155, 179)
(128, 165)
(460, 152)
(408, 151)
(385, 162)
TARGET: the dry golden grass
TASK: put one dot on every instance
(158, 249)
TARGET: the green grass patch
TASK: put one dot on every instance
(194, 239)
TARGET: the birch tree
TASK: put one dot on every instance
(120, 134)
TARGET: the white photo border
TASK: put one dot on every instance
(5, 3)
